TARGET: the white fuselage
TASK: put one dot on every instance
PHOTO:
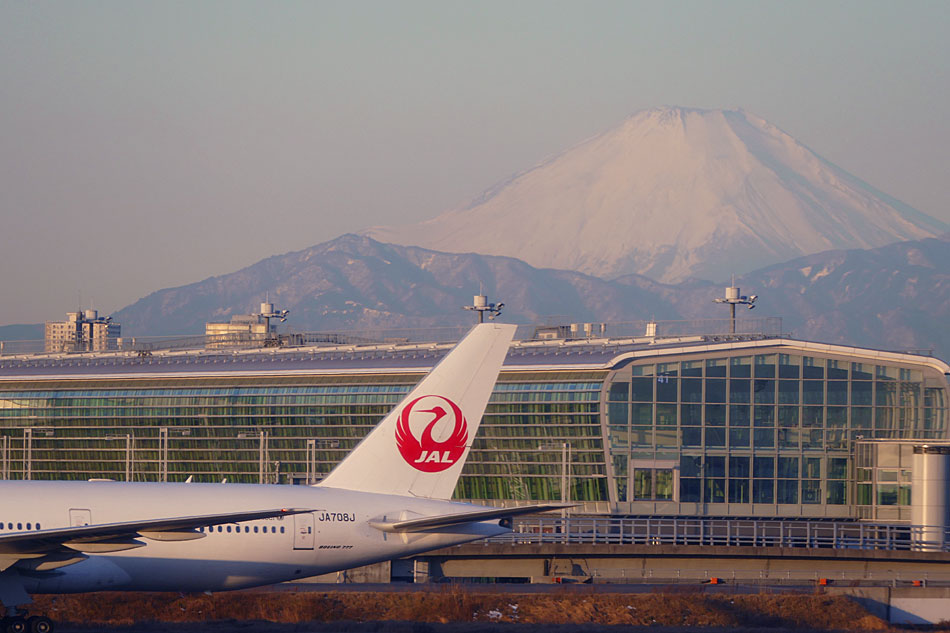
(335, 535)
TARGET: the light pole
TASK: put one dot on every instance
(311, 462)
(480, 304)
(267, 313)
(312, 446)
(263, 456)
(163, 454)
(733, 298)
(128, 453)
(5, 464)
(28, 454)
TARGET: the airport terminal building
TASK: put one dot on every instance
(735, 425)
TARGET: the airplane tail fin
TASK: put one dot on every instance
(421, 445)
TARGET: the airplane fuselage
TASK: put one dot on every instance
(333, 534)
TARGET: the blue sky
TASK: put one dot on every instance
(147, 145)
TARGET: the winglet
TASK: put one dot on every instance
(421, 445)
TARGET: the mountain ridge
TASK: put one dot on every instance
(892, 297)
(354, 281)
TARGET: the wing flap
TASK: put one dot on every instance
(104, 546)
(448, 520)
(49, 562)
(8, 560)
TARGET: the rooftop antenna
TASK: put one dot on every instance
(734, 298)
(480, 304)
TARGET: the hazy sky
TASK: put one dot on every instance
(151, 144)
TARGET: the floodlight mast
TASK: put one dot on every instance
(734, 298)
(481, 306)
(267, 313)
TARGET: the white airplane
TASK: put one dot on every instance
(387, 499)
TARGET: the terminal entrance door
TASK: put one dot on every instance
(653, 480)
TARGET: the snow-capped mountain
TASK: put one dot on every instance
(674, 193)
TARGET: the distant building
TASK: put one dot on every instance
(82, 332)
(244, 328)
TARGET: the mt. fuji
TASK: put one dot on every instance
(674, 193)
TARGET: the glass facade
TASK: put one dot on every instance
(740, 430)
(882, 479)
(268, 430)
(760, 434)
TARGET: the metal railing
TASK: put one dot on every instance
(727, 532)
(814, 575)
(760, 326)
(714, 329)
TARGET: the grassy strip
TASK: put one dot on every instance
(816, 612)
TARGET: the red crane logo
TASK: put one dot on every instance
(441, 417)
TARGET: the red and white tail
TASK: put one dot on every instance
(421, 445)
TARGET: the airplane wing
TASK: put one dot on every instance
(446, 520)
(115, 537)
